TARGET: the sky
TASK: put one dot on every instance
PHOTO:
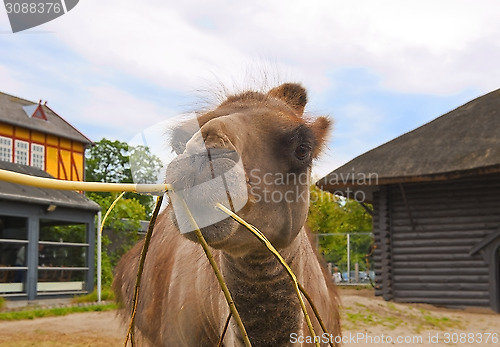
(378, 68)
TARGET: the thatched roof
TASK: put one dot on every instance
(41, 196)
(463, 142)
(13, 113)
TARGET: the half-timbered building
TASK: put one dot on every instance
(46, 236)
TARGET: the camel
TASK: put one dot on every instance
(272, 145)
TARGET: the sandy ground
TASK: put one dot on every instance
(367, 321)
(371, 321)
(100, 329)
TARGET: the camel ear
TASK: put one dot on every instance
(320, 128)
(293, 94)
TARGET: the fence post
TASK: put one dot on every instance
(99, 261)
(348, 257)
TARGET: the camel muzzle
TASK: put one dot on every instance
(203, 179)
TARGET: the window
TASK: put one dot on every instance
(62, 257)
(37, 156)
(5, 149)
(13, 245)
(21, 152)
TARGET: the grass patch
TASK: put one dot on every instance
(52, 312)
(391, 306)
(106, 294)
(354, 286)
(2, 302)
(370, 317)
(439, 322)
(392, 316)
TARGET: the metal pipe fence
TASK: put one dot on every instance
(348, 255)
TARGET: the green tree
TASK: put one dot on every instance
(110, 161)
(121, 226)
(331, 214)
(113, 161)
(145, 166)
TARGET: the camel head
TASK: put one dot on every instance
(252, 153)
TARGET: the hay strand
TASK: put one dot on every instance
(278, 256)
(130, 332)
(219, 276)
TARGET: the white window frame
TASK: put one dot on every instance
(38, 156)
(21, 152)
(5, 149)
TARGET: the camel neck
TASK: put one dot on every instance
(264, 295)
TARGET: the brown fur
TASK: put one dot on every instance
(180, 302)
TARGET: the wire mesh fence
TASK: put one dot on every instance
(348, 255)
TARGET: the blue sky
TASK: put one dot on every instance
(378, 68)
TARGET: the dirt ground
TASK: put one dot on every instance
(367, 321)
(370, 321)
(99, 329)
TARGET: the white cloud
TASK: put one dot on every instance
(416, 46)
(119, 114)
(412, 46)
(147, 40)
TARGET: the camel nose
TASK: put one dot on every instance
(217, 134)
(218, 143)
(214, 137)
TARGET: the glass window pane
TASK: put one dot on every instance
(57, 231)
(15, 228)
(58, 275)
(37, 156)
(50, 255)
(12, 281)
(12, 254)
(61, 280)
(21, 152)
(62, 257)
(13, 246)
(5, 149)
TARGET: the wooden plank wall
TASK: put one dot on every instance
(424, 232)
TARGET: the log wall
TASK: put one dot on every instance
(424, 234)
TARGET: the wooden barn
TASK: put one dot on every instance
(436, 208)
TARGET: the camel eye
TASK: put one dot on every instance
(302, 151)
